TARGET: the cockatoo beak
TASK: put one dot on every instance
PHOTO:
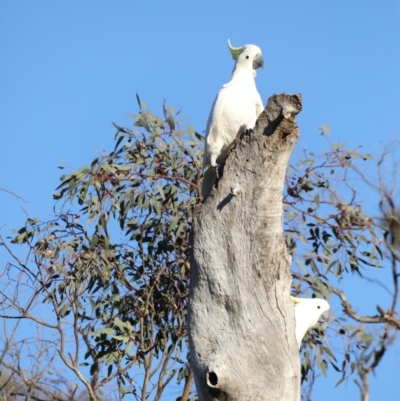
(324, 318)
(258, 62)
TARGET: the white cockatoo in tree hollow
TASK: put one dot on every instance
(307, 312)
(235, 110)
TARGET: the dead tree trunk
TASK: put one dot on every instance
(241, 319)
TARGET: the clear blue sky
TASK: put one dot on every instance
(68, 69)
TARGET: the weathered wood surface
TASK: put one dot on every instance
(241, 319)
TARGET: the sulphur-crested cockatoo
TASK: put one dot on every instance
(235, 109)
(307, 313)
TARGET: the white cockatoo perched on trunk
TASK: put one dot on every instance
(235, 109)
(307, 313)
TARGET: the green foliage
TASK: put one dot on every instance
(117, 270)
(328, 235)
(325, 232)
(120, 265)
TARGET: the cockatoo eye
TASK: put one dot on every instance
(247, 56)
(318, 307)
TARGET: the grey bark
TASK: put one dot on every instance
(241, 318)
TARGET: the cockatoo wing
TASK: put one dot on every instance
(213, 141)
(259, 106)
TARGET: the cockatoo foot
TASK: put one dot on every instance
(248, 131)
